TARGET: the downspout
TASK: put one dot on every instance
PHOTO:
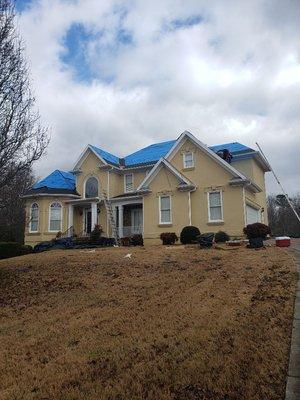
(190, 205)
(190, 208)
(244, 206)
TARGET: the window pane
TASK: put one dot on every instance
(128, 179)
(54, 225)
(91, 188)
(214, 199)
(165, 203)
(55, 217)
(34, 217)
(128, 182)
(165, 216)
(215, 213)
(188, 160)
(34, 226)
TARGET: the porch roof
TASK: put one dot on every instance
(82, 201)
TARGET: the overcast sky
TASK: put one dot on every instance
(124, 74)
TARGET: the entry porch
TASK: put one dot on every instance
(84, 214)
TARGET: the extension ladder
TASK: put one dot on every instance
(111, 218)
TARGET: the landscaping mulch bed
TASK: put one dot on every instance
(166, 323)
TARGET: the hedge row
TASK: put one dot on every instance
(13, 249)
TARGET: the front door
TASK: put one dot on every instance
(88, 221)
(137, 220)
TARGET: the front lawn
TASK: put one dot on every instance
(167, 323)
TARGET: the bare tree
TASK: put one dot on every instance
(12, 207)
(22, 138)
(282, 220)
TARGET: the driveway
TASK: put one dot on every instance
(293, 379)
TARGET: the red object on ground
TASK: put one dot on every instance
(283, 241)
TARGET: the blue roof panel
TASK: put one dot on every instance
(57, 180)
(234, 147)
(108, 157)
(149, 154)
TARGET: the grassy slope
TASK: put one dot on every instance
(167, 324)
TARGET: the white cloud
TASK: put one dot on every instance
(232, 77)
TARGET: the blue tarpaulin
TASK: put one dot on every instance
(234, 147)
(108, 157)
(147, 155)
(57, 180)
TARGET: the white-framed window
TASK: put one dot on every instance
(34, 218)
(188, 160)
(215, 206)
(165, 213)
(55, 217)
(91, 188)
(128, 183)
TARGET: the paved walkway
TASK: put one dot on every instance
(293, 378)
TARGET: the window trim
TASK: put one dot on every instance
(221, 205)
(38, 218)
(84, 184)
(184, 160)
(61, 217)
(132, 176)
(159, 206)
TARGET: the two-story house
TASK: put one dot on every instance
(160, 188)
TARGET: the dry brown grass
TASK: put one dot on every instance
(171, 323)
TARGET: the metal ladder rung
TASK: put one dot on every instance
(110, 214)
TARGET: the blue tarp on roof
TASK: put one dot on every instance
(57, 180)
(108, 157)
(149, 154)
(234, 147)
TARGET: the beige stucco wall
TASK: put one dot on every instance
(253, 170)
(165, 183)
(43, 233)
(207, 175)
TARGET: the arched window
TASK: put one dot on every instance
(55, 217)
(91, 187)
(34, 218)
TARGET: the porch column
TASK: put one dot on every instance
(70, 216)
(120, 221)
(94, 215)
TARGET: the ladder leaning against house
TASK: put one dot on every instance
(110, 215)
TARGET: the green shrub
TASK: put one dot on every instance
(126, 241)
(137, 240)
(221, 237)
(96, 234)
(189, 234)
(27, 249)
(168, 238)
(13, 249)
(257, 230)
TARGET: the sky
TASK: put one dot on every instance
(124, 74)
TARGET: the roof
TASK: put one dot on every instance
(58, 182)
(154, 152)
(64, 182)
(108, 157)
(150, 154)
(234, 147)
